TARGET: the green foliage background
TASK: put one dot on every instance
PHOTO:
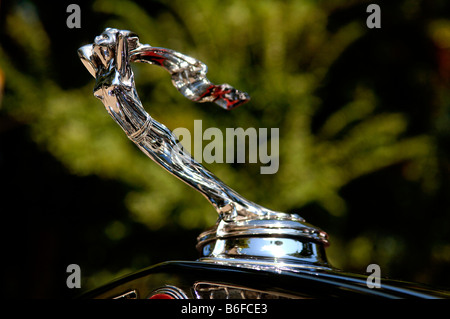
(363, 114)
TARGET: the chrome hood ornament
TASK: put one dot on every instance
(246, 234)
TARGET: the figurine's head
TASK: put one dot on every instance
(104, 46)
(107, 39)
(103, 50)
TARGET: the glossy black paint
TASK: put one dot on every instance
(303, 283)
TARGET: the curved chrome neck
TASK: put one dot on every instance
(109, 59)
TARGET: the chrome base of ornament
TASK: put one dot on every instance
(286, 244)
